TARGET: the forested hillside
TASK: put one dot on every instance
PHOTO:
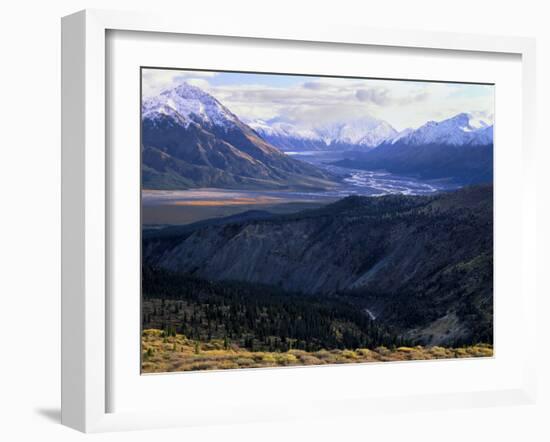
(422, 266)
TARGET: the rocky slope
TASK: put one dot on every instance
(422, 264)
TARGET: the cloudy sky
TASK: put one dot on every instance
(308, 101)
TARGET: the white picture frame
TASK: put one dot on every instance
(85, 210)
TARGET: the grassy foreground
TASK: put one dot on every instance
(177, 353)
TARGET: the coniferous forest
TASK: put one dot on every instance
(257, 317)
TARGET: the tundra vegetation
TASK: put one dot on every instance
(165, 352)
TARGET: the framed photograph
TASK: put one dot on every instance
(266, 223)
(248, 179)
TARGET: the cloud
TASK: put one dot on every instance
(402, 104)
(313, 115)
(414, 98)
(314, 85)
(379, 97)
(310, 101)
(154, 81)
(383, 97)
(199, 82)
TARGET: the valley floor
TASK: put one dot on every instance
(162, 353)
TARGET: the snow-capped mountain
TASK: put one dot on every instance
(186, 104)
(458, 149)
(281, 128)
(191, 140)
(365, 133)
(404, 133)
(286, 136)
(462, 129)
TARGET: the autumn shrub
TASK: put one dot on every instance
(182, 354)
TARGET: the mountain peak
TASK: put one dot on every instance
(189, 92)
(462, 117)
(190, 139)
(365, 131)
(458, 130)
(185, 88)
(467, 121)
(189, 104)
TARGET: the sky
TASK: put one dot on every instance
(309, 101)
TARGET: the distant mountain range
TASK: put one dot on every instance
(362, 133)
(367, 133)
(461, 130)
(459, 149)
(189, 139)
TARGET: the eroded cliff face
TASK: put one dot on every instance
(415, 259)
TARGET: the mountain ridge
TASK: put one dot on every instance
(391, 251)
(453, 149)
(369, 133)
(189, 139)
(458, 130)
(365, 132)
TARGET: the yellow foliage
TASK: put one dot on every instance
(178, 354)
(364, 352)
(349, 354)
(268, 357)
(152, 332)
